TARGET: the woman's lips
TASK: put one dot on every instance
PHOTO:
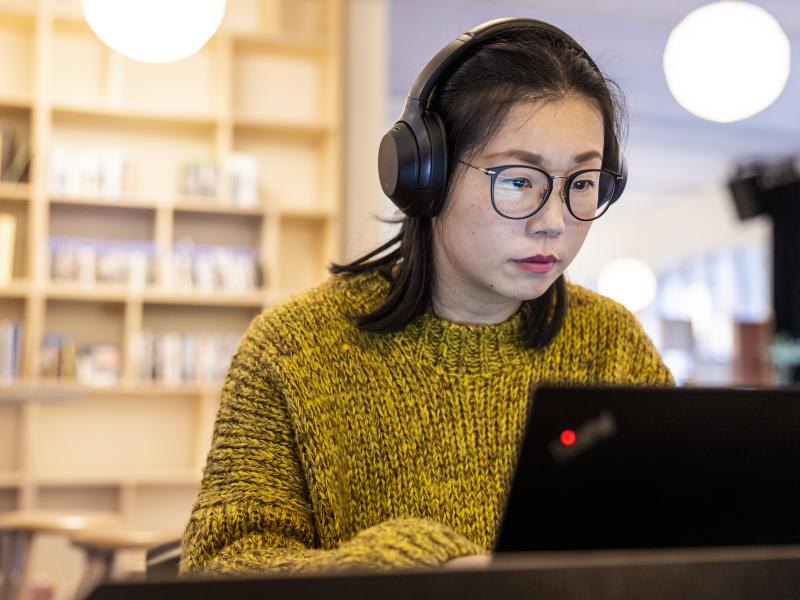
(541, 263)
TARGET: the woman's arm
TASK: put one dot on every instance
(253, 512)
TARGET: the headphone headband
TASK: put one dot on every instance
(452, 53)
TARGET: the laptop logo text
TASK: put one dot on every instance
(588, 435)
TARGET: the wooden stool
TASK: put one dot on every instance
(16, 533)
(101, 545)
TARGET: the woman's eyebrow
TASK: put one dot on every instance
(538, 159)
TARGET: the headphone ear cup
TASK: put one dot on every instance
(437, 168)
(412, 165)
(398, 165)
(623, 170)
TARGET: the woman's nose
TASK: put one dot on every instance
(550, 218)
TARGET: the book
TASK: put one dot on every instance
(243, 179)
(6, 150)
(17, 170)
(10, 349)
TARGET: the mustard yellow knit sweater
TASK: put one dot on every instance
(335, 448)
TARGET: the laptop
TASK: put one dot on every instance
(620, 468)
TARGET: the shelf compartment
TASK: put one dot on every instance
(154, 150)
(290, 171)
(101, 441)
(257, 97)
(189, 346)
(182, 87)
(78, 62)
(84, 325)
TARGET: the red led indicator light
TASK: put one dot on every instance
(568, 437)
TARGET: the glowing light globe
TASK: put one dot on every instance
(154, 31)
(629, 281)
(727, 61)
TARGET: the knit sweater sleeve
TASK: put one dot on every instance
(254, 512)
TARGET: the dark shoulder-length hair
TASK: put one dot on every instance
(522, 65)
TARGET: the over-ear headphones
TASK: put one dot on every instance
(412, 159)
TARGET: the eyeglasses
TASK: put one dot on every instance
(520, 191)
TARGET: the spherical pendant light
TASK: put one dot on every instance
(154, 31)
(629, 281)
(727, 61)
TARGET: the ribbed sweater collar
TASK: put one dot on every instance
(469, 349)
(450, 347)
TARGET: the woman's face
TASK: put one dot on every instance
(478, 254)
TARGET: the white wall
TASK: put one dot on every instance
(665, 230)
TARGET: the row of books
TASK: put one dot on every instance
(98, 364)
(88, 261)
(10, 349)
(196, 267)
(208, 268)
(173, 358)
(91, 173)
(167, 358)
(235, 180)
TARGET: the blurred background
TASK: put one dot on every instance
(149, 211)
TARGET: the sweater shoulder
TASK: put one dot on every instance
(338, 295)
(586, 304)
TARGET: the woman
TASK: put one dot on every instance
(372, 422)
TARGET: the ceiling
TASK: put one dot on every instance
(669, 150)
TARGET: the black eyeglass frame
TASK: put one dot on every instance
(493, 172)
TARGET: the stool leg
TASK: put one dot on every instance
(99, 567)
(15, 549)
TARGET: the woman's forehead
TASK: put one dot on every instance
(534, 129)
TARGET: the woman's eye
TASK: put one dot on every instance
(582, 185)
(516, 183)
